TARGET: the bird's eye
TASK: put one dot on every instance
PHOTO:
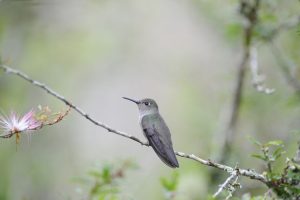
(147, 103)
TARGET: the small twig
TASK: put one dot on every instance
(244, 172)
(224, 185)
(232, 187)
(257, 79)
(41, 125)
(231, 179)
(60, 117)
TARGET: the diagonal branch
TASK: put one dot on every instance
(9, 70)
(243, 172)
(249, 12)
(231, 179)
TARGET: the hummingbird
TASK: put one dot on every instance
(156, 131)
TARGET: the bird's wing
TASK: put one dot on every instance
(159, 138)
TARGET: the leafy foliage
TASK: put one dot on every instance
(104, 183)
(170, 185)
(285, 183)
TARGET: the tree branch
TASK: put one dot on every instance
(44, 87)
(243, 172)
(249, 11)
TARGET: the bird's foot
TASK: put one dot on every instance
(146, 143)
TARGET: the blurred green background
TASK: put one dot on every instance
(183, 54)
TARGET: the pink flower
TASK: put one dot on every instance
(15, 124)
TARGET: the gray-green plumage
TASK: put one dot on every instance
(156, 131)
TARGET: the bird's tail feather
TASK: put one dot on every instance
(166, 154)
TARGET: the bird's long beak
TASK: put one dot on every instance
(135, 101)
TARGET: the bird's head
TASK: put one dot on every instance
(145, 105)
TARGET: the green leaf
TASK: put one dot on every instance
(170, 185)
(233, 30)
(278, 152)
(254, 141)
(274, 143)
(268, 17)
(106, 174)
(95, 174)
(259, 156)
